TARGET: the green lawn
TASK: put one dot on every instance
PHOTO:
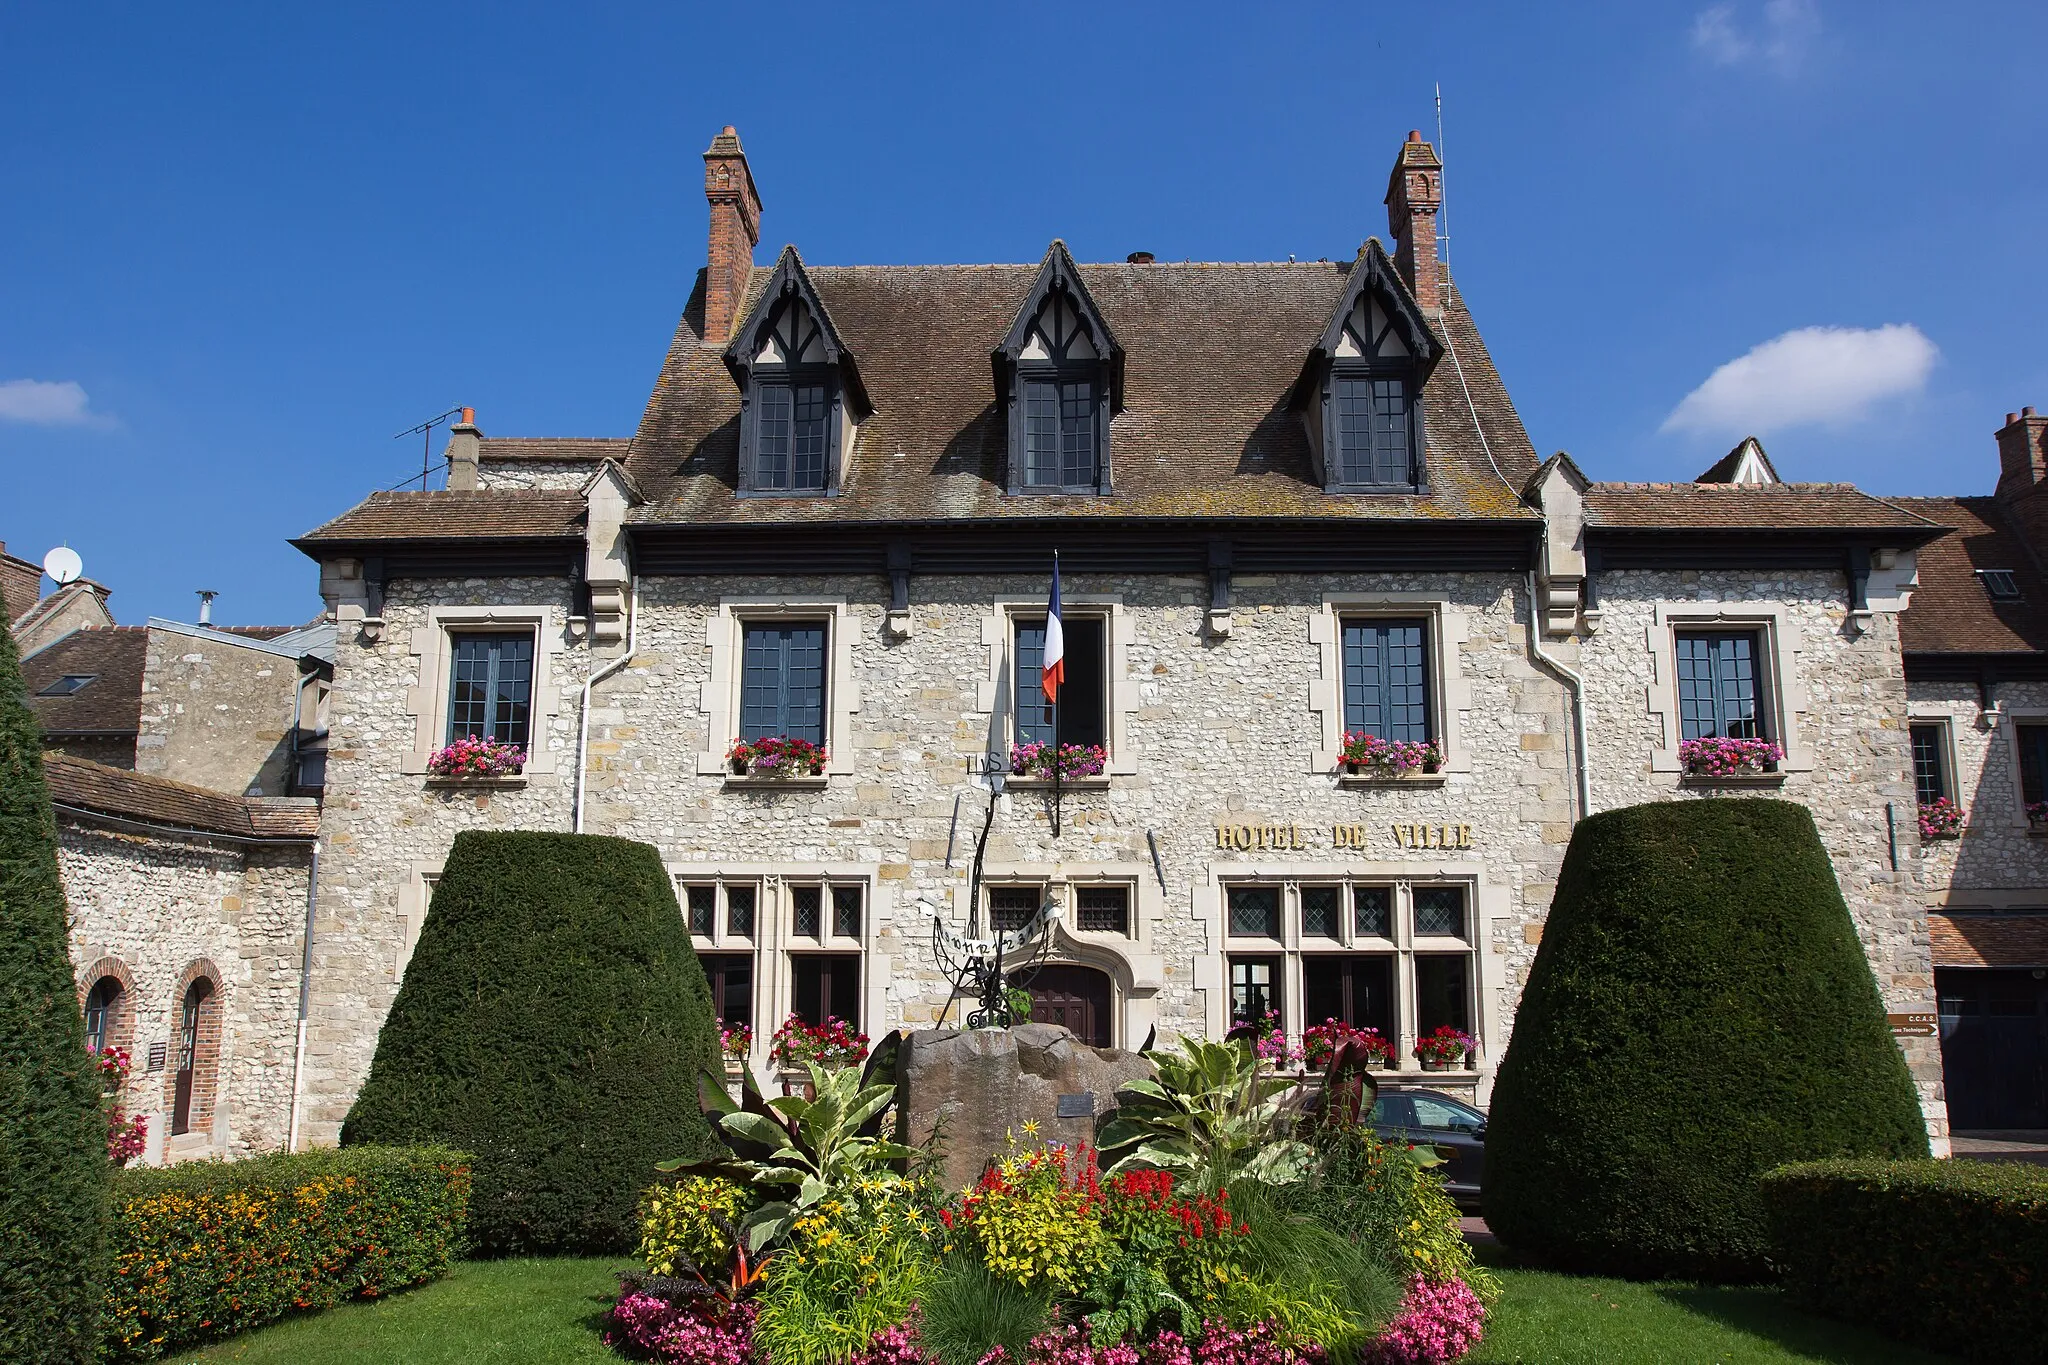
(515, 1312)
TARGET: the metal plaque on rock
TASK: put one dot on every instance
(1081, 1106)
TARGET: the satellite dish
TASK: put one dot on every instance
(63, 564)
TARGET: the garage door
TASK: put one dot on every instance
(1994, 1046)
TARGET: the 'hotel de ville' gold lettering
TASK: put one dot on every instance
(1259, 838)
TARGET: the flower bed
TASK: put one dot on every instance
(1038, 761)
(1729, 757)
(1368, 755)
(776, 756)
(1941, 818)
(477, 757)
(834, 1043)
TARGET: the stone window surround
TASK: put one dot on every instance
(1450, 691)
(1779, 640)
(999, 635)
(1487, 905)
(433, 647)
(2009, 729)
(720, 698)
(774, 943)
(1135, 970)
(1949, 756)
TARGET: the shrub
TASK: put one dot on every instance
(1951, 1254)
(553, 1021)
(205, 1250)
(853, 1267)
(691, 1224)
(969, 1311)
(1700, 1011)
(1310, 1282)
(54, 1171)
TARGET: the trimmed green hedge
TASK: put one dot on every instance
(1949, 1254)
(553, 1022)
(1700, 1010)
(206, 1250)
(53, 1138)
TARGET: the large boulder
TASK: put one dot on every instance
(978, 1088)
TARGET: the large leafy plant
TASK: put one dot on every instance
(1211, 1113)
(806, 1148)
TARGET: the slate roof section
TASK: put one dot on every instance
(552, 449)
(1211, 352)
(1749, 507)
(1989, 940)
(482, 514)
(109, 705)
(80, 785)
(1950, 612)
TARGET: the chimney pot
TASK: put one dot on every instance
(1415, 135)
(2011, 417)
(469, 417)
(1140, 258)
(2027, 411)
(735, 231)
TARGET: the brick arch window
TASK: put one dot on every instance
(193, 1082)
(106, 992)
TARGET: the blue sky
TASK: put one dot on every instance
(243, 246)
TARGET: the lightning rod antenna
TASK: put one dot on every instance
(1443, 220)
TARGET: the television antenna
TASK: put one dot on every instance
(1443, 213)
(426, 434)
(63, 565)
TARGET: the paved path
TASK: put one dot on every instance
(2022, 1144)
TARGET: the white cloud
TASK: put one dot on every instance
(1826, 375)
(40, 402)
(1779, 40)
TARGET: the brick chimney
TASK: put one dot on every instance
(1415, 191)
(2023, 474)
(735, 230)
(465, 452)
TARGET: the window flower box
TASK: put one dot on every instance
(1086, 764)
(1716, 759)
(1447, 1049)
(1941, 818)
(1366, 759)
(832, 1044)
(776, 758)
(2037, 817)
(735, 1043)
(475, 758)
(1320, 1045)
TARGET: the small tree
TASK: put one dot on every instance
(54, 1174)
(554, 1022)
(1700, 1011)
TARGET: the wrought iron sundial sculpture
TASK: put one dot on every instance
(980, 966)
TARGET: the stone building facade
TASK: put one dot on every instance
(1289, 501)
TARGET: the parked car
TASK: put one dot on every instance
(1455, 1128)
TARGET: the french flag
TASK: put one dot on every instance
(1055, 639)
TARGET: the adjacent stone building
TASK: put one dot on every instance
(1290, 502)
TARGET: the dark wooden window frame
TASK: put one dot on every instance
(750, 664)
(1079, 723)
(1381, 693)
(1932, 778)
(1096, 381)
(1718, 650)
(508, 720)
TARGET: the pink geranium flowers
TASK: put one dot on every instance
(475, 756)
(1717, 757)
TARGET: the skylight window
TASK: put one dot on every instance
(68, 684)
(2001, 585)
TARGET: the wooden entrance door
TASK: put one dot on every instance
(188, 1054)
(1076, 998)
(1994, 1046)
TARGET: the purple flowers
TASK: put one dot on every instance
(475, 756)
(1716, 757)
(1217, 1345)
(1364, 752)
(1439, 1321)
(701, 1331)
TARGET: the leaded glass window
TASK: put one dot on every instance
(490, 688)
(782, 681)
(846, 911)
(1440, 911)
(739, 911)
(805, 902)
(1319, 910)
(1386, 679)
(703, 909)
(1104, 909)
(1718, 693)
(1373, 431)
(1372, 911)
(1255, 910)
(790, 438)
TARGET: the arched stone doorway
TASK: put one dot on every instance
(1080, 999)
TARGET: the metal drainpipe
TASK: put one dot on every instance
(583, 706)
(1578, 690)
(305, 1000)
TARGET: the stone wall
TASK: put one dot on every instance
(164, 909)
(1998, 862)
(216, 714)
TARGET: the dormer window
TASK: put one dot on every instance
(1360, 392)
(801, 397)
(1056, 376)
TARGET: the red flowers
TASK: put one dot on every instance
(776, 756)
(831, 1044)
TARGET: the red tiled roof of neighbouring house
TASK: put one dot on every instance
(1748, 507)
(1951, 612)
(77, 784)
(111, 704)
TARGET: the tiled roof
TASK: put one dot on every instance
(82, 785)
(111, 703)
(1211, 352)
(1950, 612)
(1989, 940)
(496, 449)
(1746, 507)
(485, 514)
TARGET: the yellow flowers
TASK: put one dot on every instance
(681, 1223)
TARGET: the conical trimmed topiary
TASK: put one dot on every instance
(55, 1176)
(1700, 1010)
(553, 1021)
